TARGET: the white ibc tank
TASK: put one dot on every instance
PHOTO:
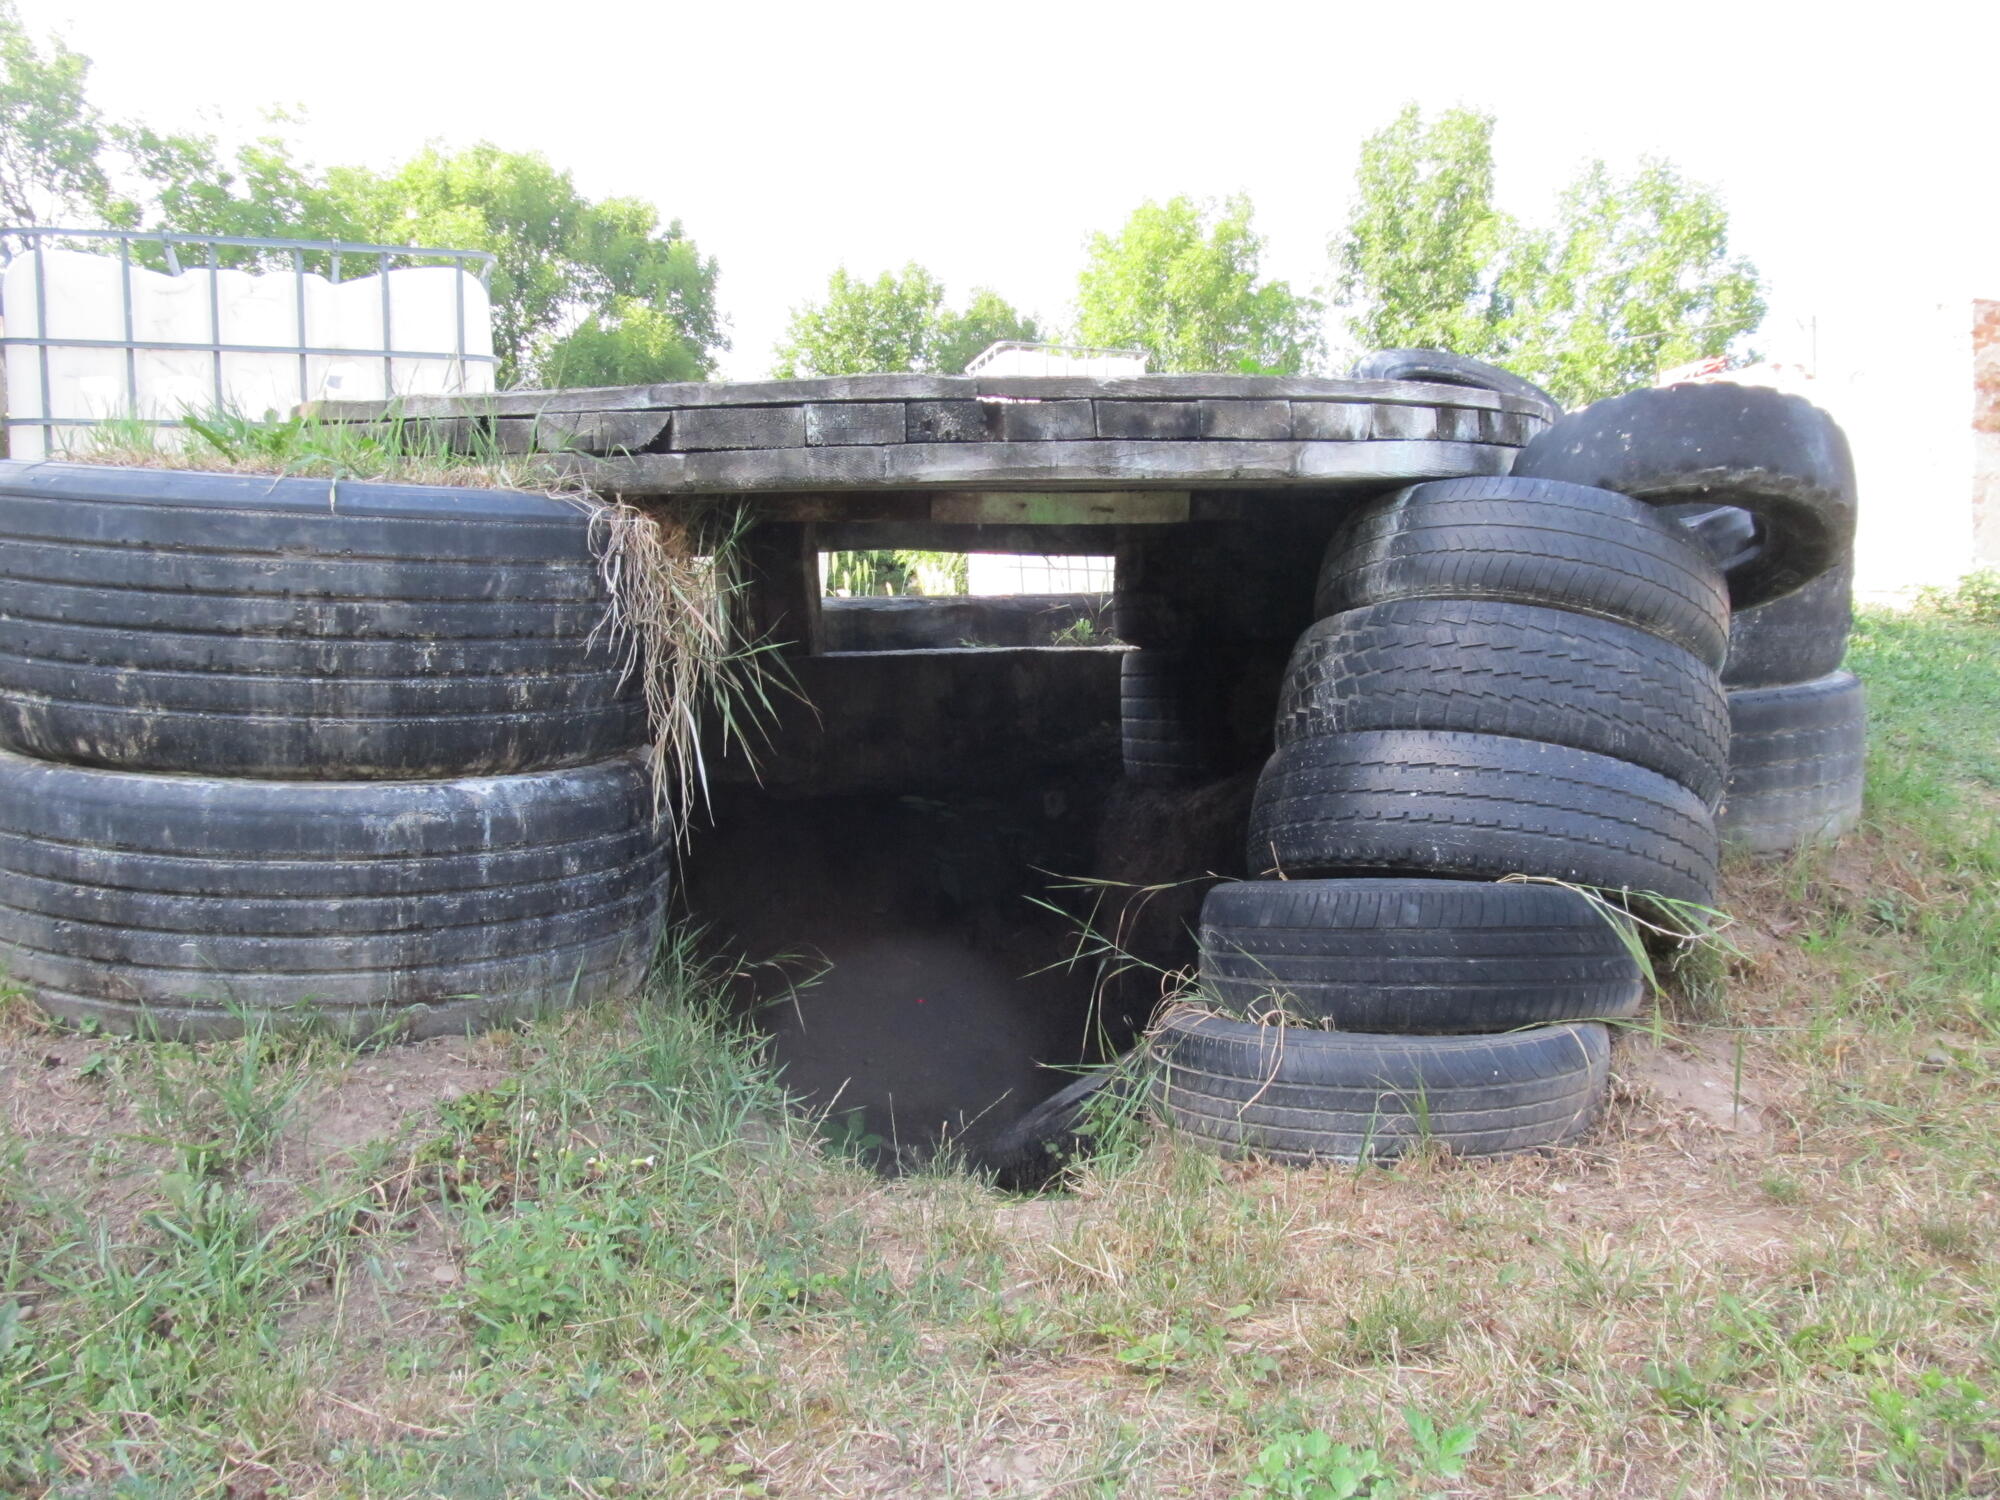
(265, 318)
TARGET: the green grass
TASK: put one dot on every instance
(616, 1263)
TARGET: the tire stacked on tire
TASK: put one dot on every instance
(1797, 722)
(278, 750)
(1508, 677)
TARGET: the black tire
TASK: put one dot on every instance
(1170, 710)
(1522, 541)
(1414, 957)
(155, 620)
(1477, 806)
(1773, 454)
(1439, 367)
(1483, 667)
(1799, 638)
(1296, 1094)
(178, 905)
(1051, 1135)
(1798, 758)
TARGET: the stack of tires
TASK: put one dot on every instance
(1781, 465)
(1509, 677)
(351, 755)
(1520, 676)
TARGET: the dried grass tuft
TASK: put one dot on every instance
(676, 613)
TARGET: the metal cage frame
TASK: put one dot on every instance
(34, 239)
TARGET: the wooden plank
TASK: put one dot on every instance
(885, 507)
(825, 388)
(952, 421)
(848, 424)
(1105, 508)
(781, 569)
(1046, 421)
(452, 434)
(1120, 465)
(939, 536)
(707, 429)
(1403, 423)
(881, 388)
(600, 432)
(1255, 421)
(1457, 424)
(1331, 421)
(1242, 388)
(1154, 420)
(1512, 428)
(1391, 462)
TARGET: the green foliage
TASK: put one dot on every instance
(1169, 1350)
(988, 319)
(222, 1105)
(894, 324)
(583, 292)
(899, 571)
(1180, 281)
(50, 135)
(1415, 263)
(1634, 276)
(1942, 1436)
(1312, 1466)
(1974, 599)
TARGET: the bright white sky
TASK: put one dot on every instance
(987, 141)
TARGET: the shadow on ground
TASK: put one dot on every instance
(901, 965)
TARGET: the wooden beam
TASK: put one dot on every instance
(781, 563)
(1079, 466)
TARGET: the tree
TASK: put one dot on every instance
(988, 319)
(1417, 261)
(896, 323)
(1633, 276)
(1180, 281)
(51, 138)
(583, 291)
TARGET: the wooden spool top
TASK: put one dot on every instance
(1021, 450)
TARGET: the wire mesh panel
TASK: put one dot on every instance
(149, 327)
(1027, 573)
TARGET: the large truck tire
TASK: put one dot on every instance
(1484, 667)
(1525, 541)
(1297, 1094)
(1798, 758)
(1479, 806)
(166, 620)
(187, 906)
(1415, 957)
(1771, 453)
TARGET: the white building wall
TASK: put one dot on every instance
(1897, 376)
